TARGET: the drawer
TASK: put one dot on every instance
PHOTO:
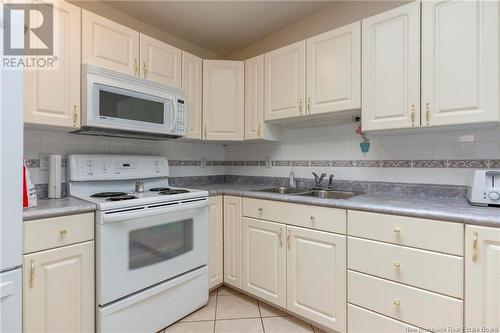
(446, 237)
(314, 217)
(58, 231)
(407, 265)
(414, 306)
(365, 321)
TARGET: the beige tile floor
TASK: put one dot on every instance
(229, 311)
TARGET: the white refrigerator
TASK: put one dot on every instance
(11, 155)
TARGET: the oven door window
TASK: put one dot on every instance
(155, 244)
(128, 107)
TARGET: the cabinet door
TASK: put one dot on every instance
(232, 241)
(391, 69)
(482, 277)
(108, 44)
(192, 71)
(460, 67)
(160, 62)
(316, 276)
(264, 260)
(285, 84)
(52, 96)
(58, 289)
(334, 70)
(254, 97)
(215, 242)
(223, 100)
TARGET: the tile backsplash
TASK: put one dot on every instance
(437, 156)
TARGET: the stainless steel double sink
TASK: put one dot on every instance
(312, 192)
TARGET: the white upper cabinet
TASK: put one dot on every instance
(160, 62)
(255, 127)
(334, 70)
(460, 67)
(285, 85)
(223, 100)
(52, 97)
(254, 97)
(110, 45)
(192, 82)
(482, 276)
(391, 69)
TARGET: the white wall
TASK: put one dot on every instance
(36, 142)
(338, 142)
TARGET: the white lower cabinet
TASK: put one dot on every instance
(232, 241)
(264, 260)
(482, 278)
(366, 321)
(58, 289)
(316, 280)
(215, 242)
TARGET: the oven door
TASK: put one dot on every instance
(140, 248)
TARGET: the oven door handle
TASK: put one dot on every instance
(152, 210)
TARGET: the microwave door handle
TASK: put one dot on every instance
(174, 115)
(131, 215)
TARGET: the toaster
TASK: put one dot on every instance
(484, 189)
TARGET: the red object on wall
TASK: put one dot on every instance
(25, 190)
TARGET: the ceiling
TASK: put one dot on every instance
(222, 27)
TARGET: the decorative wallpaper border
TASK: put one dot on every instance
(440, 164)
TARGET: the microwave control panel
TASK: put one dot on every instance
(180, 126)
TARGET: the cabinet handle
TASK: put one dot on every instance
(309, 105)
(397, 302)
(145, 69)
(412, 112)
(313, 219)
(136, 67)
(32, 273)
(281, 237)
(205, 131)
(427, 114)
(259, 131)
(288, 239)
(397, 264)
(75, 115)
(474, 247)
(260, 210)
(300, 106)
(63, 232)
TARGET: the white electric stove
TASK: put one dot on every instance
(152, 241)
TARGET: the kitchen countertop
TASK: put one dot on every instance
(57, 207)
(446, 209)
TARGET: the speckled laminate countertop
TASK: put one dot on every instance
(446, 209)
(454, 210)
(57, 207)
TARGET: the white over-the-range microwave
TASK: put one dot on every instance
(117, 104)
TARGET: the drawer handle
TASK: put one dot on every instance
(397, 231)
(281, 237)
(397, 264)
(32, 273)
(63, 232)
(313, 218)
(397, 302)
(288, 238)
(261, 210)
(474, 247)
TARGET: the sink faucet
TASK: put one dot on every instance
(318, 179)
(330, 182)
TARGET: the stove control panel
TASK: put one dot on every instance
(115, 167)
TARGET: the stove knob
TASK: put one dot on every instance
(90, 171)
(104, 167)
(494, 195)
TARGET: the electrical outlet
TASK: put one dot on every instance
(44, 161)
(269, 164)
(203, 163)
